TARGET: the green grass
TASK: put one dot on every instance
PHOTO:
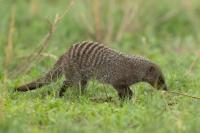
(167, 35)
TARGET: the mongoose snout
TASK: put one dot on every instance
(154, 76)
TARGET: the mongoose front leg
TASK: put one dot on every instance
(63, 88)
(83, 86)
(124, 92)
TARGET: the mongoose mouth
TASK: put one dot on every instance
(161, 87)
(165, 88)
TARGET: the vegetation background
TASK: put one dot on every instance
(34, 33)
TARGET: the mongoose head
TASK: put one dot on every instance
(155, 77)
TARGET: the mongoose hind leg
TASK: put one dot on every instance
(124, 92)
(63, 88)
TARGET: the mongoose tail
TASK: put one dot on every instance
(49, 77)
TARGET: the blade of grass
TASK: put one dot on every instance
(9, 47)
(183, 94)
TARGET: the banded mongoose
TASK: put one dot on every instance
(92, 60)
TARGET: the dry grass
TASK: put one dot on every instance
(100, 21)
(97, 19)
(128, 20)
(35, 56)
(109, 30)
(183, 94)
(9, 47)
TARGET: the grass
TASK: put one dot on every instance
(168, 36)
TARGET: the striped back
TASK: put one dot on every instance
(88, 53)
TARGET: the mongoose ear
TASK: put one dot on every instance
(150, 70)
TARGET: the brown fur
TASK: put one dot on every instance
(91, 60)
